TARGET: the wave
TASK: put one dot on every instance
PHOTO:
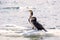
(9, 8)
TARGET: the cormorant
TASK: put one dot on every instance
(34, 23)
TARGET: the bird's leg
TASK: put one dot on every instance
(33, 27)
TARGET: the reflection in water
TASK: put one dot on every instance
(35, 37)
(38, 38)
(43, 38)
(30, 38)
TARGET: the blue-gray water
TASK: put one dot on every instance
(15, 12)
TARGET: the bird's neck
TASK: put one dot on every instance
(31, 14)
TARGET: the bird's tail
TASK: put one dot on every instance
(45, 30)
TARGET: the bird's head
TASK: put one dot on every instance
(31, 12)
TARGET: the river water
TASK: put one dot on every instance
(14, 14)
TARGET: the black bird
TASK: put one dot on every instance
(35, 24)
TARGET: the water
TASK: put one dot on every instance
(13, 32)
(14, 19)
